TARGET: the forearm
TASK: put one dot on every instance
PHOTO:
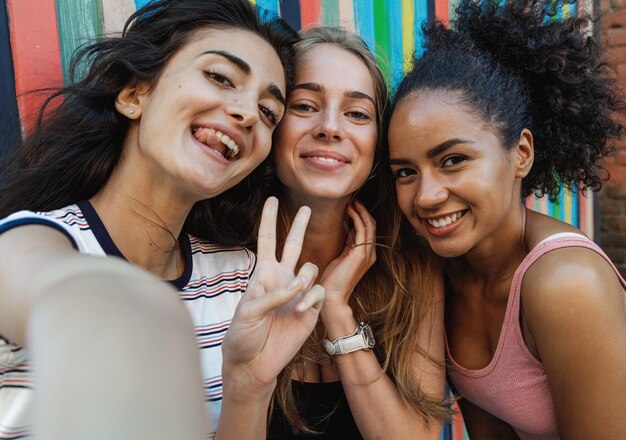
(137, 369)
(243, 399)
(375, 402)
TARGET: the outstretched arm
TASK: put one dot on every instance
(108, 342)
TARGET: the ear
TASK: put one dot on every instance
(131, 99)
(524, 153)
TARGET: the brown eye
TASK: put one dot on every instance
(219, 78)
(452, 160)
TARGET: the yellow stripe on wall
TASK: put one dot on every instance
(408, 34)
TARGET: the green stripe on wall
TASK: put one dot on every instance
(79, 22)
(381, 35)
(330, 12)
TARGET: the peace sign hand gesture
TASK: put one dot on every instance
(279, 309)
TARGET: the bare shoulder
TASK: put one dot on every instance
(573, 276)
(32, 236)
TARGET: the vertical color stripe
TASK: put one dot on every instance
(575, 209)
(364, 22)
(560, 205)
(441, 11)
(310, 13)
(36, 54)
(567, 206)
(382, 37)
(452, 9)
(115, 13)
(79, 23)
(290, 11)
(330, 12)
(431, 9)
(408, 34)
(9, 116)
(346, 14)
(396, 58)
(421, 18)
(268, 9)
(141, 3)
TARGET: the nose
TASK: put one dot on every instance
(330, 127)
(431, 192)
(244, 110)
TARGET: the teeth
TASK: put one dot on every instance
(445, 221)
(230, 144)
(325, 159)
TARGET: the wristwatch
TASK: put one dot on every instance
(360, 339)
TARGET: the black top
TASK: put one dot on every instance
(323, 407)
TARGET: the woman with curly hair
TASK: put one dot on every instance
(503, 105)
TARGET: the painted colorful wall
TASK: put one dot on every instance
(38, 37)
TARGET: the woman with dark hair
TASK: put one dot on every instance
(178, 109)
(374, 365)
(505, 104)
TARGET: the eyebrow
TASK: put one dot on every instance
(442, 147)
(276, 93)
(241, 64)
(435, 151)
(315, 87)
(245, 68)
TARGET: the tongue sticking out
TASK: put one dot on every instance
(208, 137)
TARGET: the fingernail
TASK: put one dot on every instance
(301, 306)
(296, 282)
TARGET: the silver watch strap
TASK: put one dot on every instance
(351, 343)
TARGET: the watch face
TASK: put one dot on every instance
(369, 336)
(330, 348)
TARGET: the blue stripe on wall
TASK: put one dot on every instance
(364, 21)
(141, 3)
(394, 9)
(9, 116)
(421, 18)
(290, 11)
(268, 9)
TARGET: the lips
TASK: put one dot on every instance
(217, 141)
(325, 159)
(446, 220)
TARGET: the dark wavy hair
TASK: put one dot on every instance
(518, 67)
(78, 137)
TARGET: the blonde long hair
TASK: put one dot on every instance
(394, 296)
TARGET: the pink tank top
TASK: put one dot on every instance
(514, 386)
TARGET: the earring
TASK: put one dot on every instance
(130, 112)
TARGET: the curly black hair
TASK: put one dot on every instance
(519, 67)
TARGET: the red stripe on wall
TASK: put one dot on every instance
(442, 11)
(36, 53)
(310, 11)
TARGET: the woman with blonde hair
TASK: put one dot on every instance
(374, 366)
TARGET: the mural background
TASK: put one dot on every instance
(38, 37)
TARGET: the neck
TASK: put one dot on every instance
(326, 233)
(144, 223)
(499, 256)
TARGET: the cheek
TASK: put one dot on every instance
(405, 196)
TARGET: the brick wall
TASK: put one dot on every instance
(613, 195)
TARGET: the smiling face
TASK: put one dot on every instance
(455, 182)
(326, 143)
(208, 121)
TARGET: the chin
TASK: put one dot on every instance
(447, 250)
